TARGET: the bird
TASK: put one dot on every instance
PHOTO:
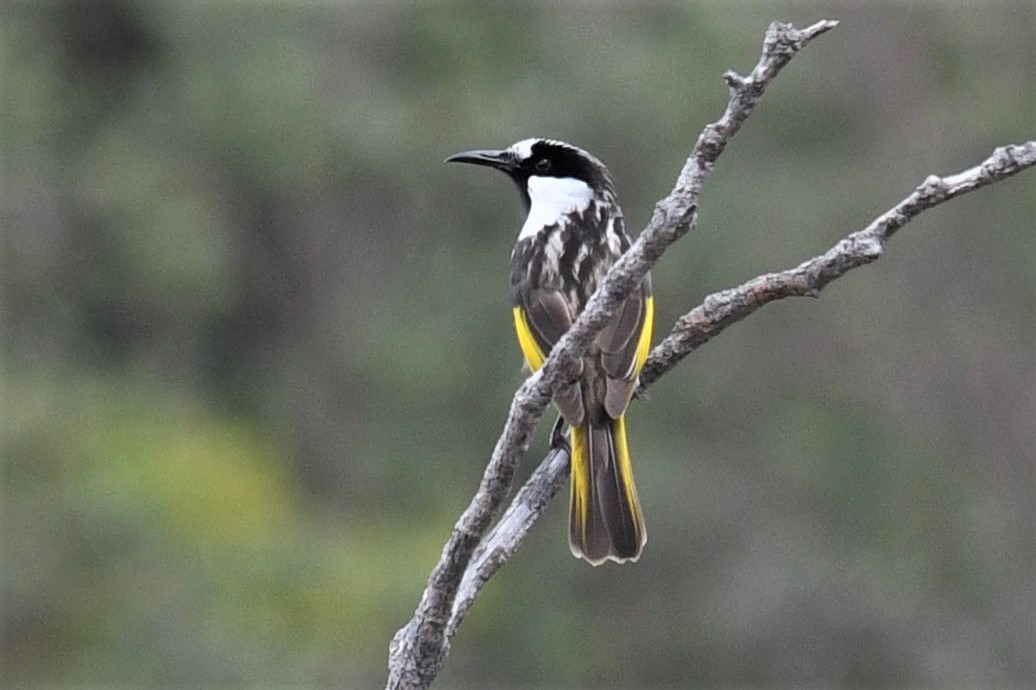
(572, 234)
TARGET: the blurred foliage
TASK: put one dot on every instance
(256, 345)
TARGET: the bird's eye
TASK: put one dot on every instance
(543, 165)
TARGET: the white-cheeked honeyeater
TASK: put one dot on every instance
(572, 235)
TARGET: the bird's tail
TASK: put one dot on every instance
(605, 521)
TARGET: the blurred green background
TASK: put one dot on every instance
(257, 347)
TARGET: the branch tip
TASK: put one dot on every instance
(821, 27)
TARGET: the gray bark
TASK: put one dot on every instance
(470, 557)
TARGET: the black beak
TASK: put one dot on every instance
(501, 160)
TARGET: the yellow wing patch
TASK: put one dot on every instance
(644, 344)
(533, 355)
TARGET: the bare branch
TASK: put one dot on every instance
(508, 534)
(420, 648)
(722, 309)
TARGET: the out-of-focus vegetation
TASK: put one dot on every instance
(256, 345)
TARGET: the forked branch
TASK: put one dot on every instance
(419, 649)
(469, 558)
(720, 310)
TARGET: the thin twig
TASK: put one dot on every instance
(419, 649)
(722, 309)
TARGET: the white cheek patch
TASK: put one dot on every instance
(553, 198)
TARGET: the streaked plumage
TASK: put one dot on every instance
(572, 235)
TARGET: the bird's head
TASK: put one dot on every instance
(547, 169)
